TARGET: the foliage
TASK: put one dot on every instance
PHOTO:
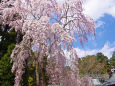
(94, 64)
(30, 80)
(112, 62)
(112, 59)
(113, 55)
(44, 42)
(6, 39)
(101, 57)
(29, 75)
(6, 76)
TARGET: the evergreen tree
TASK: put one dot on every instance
(6, 76)
(6, 39)
(101, 57)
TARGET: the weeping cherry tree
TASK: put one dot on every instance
(48, 27)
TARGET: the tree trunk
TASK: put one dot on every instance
(37, 74)
(44, 81)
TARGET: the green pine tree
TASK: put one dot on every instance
(6, 76)
(6, 39)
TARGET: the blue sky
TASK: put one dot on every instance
(104, 33)
(105, 37)
(103, 13)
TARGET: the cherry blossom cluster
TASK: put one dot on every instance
(33, 19)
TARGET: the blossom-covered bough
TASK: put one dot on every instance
(44, 41)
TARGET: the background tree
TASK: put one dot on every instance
(113, 55)
(95, 64)
(6, 76)
(6, 39)
(43, 40)
(112, 59)
(101, 57)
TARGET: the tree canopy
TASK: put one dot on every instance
(95, 64)
(44, 42)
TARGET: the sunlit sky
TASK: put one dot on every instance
(103, 13)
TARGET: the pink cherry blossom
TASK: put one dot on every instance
(32, 18)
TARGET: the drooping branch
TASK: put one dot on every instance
(32, 18)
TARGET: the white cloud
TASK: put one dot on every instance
(83, 53)
(112, 11)
(106, 50)
(97, 8)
